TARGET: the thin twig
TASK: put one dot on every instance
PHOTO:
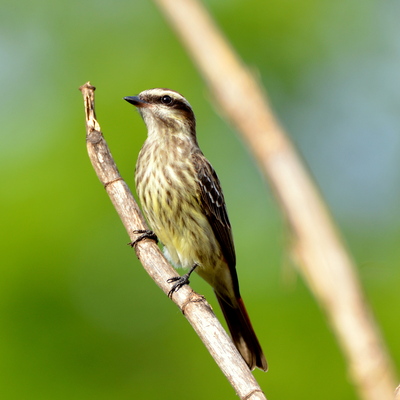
(195, 308)
(323, 260)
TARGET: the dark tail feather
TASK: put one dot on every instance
(243, 334)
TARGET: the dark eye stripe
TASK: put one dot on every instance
(180, 105)
(170, 101)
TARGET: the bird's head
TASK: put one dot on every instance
(164, 110)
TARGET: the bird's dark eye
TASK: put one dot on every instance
(166, 100)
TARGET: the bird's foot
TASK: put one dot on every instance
(180, 281)
(144, 234)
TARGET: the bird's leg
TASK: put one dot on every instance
(145, 234)
(180, 281)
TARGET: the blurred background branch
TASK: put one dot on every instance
(318, 249)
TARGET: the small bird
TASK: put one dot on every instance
(183, 202)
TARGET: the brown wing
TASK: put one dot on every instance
(214, 206)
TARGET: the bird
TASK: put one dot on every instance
(182, 199)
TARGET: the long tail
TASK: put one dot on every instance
(243, 334)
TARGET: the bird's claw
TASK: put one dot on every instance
(144, 234)
(179, 282)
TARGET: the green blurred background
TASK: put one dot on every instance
(79, 316)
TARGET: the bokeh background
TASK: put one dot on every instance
(79, 317)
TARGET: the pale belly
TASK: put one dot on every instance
(177, 219)
(171, 202)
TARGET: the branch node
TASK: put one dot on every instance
(112, 181)
(94, 137)
(251, 394)
(193, 298)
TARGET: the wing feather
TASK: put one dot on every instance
(214, 206)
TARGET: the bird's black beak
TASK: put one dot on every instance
(136, 101)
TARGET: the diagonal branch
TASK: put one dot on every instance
(195, 308)
(322, 257)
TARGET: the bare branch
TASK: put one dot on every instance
(195, 308)
(323, 260)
